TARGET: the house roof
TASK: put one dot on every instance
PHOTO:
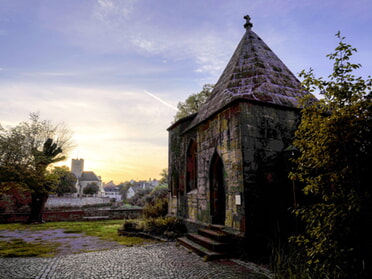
(141, 185)
(111, 189)
(254, 73)
(89, 176)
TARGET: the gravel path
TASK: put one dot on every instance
(156, 261)
(70, 243)
(112, 260)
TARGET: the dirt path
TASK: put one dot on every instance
(70, 243)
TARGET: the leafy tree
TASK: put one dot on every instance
(14, 198)
(334, 138)
(26, 152)
(123, 189)
(193, 103)
(66, 180)
(164, 176)
(91, 189)
(139, 198)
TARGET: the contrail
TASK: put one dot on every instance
(160, 100)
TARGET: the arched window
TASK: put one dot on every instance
(191, 166)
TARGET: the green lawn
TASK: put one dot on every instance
(19, 248)
(106, 230)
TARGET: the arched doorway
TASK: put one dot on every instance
(217, 191)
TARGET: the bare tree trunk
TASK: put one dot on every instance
(38, 202)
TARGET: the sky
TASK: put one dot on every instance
(113, 71)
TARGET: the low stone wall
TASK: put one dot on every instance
(133, 213)
(48, 216)
(63, 215)
(75, 209)
(13, 217)
(54, 202)
(75, 215)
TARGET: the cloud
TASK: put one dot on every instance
(104, 9)
(130, 27)
(161, 100)
(48, 74)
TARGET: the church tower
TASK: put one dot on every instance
(77, 167)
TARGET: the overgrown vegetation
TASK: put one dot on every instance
(154, 221)
(165, 227)
(334, 140)
(156, 202)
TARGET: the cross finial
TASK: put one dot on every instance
(248, 25)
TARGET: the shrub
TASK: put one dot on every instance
(168, 227)
(131, 226)
(159, 209)
(156, 203)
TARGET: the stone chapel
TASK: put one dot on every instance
(228, 163)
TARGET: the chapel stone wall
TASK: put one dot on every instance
(266, 132)
(221, 134)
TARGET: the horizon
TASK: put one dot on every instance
(113, 71)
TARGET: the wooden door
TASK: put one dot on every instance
(217, 191)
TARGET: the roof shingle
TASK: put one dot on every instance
(253, 73)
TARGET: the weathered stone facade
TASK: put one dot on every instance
(227, 163)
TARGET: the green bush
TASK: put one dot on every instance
(156, 203)
(333, 171)
(132, 226)
(168, 227)
(159, 209)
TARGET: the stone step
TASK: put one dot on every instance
(215, 227)
(214, 234)
(199, 249)
(208, 243)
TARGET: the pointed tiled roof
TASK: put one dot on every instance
(89, 176)
(253, 73)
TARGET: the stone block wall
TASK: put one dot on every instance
(266, 132)
(221, 134)
(248, 137)
(176, 168)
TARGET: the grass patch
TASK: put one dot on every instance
(105, 230)
(19, 248)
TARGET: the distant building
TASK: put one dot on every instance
(113, 192)
(85, 177)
